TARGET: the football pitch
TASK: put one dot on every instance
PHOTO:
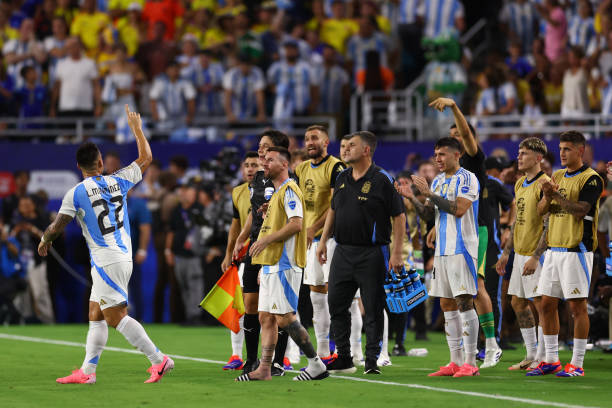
(35, 355)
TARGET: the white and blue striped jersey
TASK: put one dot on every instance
(454, 235)
(522, 19)
(440, 16)
(357, 47)
(581, 31)
(292, 85)
(243, 89)
(506, 92)
(331, 82)
(210, 102)
(99, 205)
(293, 208)
(597, 43)
(606, 99)
(486, 102)
(408, 11)
(171, 96)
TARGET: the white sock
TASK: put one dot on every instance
(579, 352)
(491, 344)
(541, 354)
(315, 366)
(356, 326)
(136, 335)
(551, 342)
(238, 340)
(452, 327)
(384, 350)
(96, 340)
(320, 321)
(469, 321)
(529, 336)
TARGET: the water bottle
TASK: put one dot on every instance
(388, 285)
(406, 281)
(398, 288)
(416, 279)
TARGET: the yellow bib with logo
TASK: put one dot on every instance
(528, 225)
(276, 218)
(315, 185)
(565, 230)
(241, 197)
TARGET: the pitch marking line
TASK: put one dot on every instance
(417, 386)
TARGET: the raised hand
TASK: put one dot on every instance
(422, 185)
(442, 103)
(133, 118)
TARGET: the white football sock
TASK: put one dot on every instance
(238, 340)
(136, 335)
(315, 366)
(469, 321)
(384, 350)
(529, 336)
(551, 342)
(541, 354)
(579, 352)
(491, 344)
(356, 326)
(96, 340)
(452, 328)
(321, 322)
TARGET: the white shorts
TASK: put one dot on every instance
(110, 284)
(316, 274)
(278, 292)
(566, 274)
(524, 287)
(452, 276)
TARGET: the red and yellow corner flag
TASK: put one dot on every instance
(224, 301)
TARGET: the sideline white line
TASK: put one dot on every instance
(417, 386)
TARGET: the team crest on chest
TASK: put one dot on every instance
(366, 187)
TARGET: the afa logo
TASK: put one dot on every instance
(444, 189)
(366, 187)
(291, 204)
(268, 193)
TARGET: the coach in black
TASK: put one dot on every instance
(362, 207)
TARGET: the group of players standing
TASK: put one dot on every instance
(344, 227)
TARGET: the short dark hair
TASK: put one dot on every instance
(367, 137)
(180, 161)
(250, 155)
(573, 136)
(87, 155)
(449, 142)
(282, 151)
(320, 128)
(453, 126)
(279, 139)
(24, 70)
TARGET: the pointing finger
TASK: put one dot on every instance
(127, 109)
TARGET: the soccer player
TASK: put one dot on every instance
(528, 240)
(316, 178)
(98, 203)
(262, 189)
(572, 200)
(453, 200)
(241, 203)
(472, 160)
(281, 250)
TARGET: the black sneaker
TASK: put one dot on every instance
(276, 370)
(371, 367)
(342, 365)
(399, 350)
(250, 365)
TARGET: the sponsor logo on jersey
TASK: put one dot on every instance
(291, 204)
(268, 193)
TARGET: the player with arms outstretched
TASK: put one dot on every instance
(99, 205)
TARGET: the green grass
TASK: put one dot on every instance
(28, 371)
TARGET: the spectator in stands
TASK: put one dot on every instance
(27, 227)
(131, 28)
(293, 84)
(334, 84)
(55, 45)
(427, 170)
(516, 62)
(31, 97)
(519, 20)
(369, 8)
(7, 86)
(10, 203)
(66, 10)
(604, 57)
(374, 76)
(556, 29)
(43, 19)
(188, 60)
(507, 97)
(120, 85)
(553, 88)
(243, 88)
(208, 79)
(486, 104)
(336, 30)
(532, 112)
(181, 243)
(120, 8)
(154, 56)
(87, 25)
(581, 30)
(442, 17)
(165, 11)
(367, 39)
(6, 31)
(178, 167)
(575, 83)
(23, 51)
(172, 99)
(265, 14)
(76, 86)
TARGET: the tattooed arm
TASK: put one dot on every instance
(52, 232)
(577, 208)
